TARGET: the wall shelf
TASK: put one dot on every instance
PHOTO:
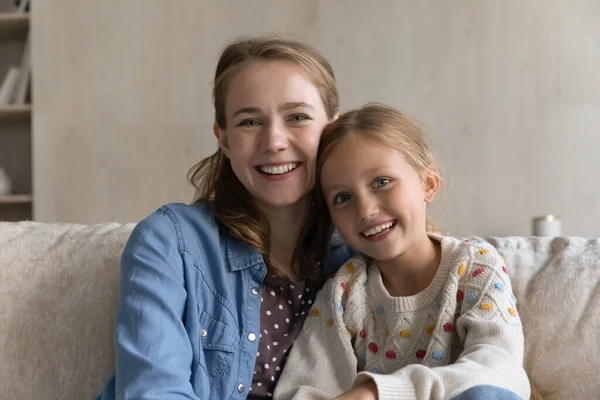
(15, 113)
(13, 25)
(16, 199)
(16, 119)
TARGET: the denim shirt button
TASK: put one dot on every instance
(255, 291)
(251, 337)
(203, 332)
(241, 388)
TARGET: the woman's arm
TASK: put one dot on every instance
(339, 253)
(153, 350)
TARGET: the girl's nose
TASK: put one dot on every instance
(366, 207)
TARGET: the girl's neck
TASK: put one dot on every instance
(286, 225)
(412, 271)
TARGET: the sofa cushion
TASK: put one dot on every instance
(58, 290)
(557, 285)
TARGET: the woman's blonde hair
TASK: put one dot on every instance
(387, 126)
(213, 178)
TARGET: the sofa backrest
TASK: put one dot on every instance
(557, 285)
(58, 289)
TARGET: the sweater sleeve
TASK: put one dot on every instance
(322, 363)
(491, 333)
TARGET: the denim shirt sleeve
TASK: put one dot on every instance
(340, 253)
(153, 350)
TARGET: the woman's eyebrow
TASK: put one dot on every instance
(292, 105)
(248, 110)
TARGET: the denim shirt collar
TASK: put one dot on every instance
(242, 256)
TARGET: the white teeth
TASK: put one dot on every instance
(280, 169)
(378, 229)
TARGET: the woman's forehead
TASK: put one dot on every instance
(271, 85)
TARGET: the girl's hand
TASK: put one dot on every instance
(366, 391)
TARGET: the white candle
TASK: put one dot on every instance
(547, 225)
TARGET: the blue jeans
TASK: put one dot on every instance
(486, 392)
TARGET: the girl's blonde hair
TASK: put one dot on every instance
(213, 178)
(387, 126)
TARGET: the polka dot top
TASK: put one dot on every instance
(282, 313)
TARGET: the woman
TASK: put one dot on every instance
(213, 294)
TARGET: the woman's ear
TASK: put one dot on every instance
(431, 182)
(222, 138)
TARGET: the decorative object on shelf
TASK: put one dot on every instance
(9, 85)
(547, 225)
(5, 184)
(22, 5)
(20, 91)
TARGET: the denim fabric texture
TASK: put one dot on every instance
(188, 313)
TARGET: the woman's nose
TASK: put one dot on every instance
(273, 139)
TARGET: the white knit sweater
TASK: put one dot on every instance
(463, 330)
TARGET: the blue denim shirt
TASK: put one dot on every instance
(188, 313)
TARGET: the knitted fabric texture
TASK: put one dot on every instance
(462, 330)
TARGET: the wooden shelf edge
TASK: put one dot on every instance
(14, 26)
(15, 108)
(13, 16)
(15, 113)
(16, 199)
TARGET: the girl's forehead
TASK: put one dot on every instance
(359, 157)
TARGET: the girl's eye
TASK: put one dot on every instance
(298, 118)
(341, 198)
(249, 122)
(381, 182)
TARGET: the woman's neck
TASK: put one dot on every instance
(412, 271)
(286, 225)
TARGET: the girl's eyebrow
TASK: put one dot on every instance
(334, 187)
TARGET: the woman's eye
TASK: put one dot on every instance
(298, 118)
(381, 182)
(341, 198)
(249, 122)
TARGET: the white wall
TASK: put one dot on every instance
(509, 91)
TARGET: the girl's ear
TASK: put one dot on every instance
(431, 182)
(222, 138)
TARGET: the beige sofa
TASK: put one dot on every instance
(58, 286)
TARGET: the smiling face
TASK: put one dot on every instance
(376, 198)
(274, 120)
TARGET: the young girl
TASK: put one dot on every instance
(418, 315)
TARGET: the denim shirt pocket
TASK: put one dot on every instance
(218, 343)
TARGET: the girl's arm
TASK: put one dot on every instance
(153, 350)
(322, 363)
(493, 341)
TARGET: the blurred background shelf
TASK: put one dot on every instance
(15, 113)
(16, 199)
(13, 26)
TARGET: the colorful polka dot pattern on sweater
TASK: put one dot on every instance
(388, 333)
